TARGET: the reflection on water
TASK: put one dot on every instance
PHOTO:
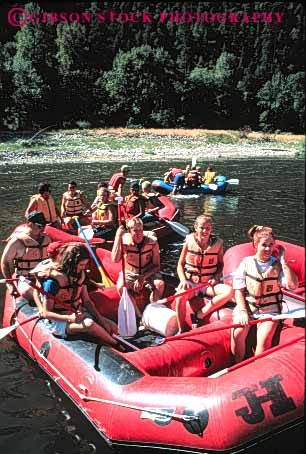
(32, 418)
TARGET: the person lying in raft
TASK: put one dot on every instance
(201, 261)
(65, 279)
(257, 284)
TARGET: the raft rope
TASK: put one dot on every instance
(86, 398)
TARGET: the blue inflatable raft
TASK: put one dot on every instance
(218, 187)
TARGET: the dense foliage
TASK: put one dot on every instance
(155, 74)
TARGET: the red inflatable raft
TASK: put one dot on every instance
(172, 396)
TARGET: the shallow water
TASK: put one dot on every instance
(33, 418)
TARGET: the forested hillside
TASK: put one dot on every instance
(98, 70)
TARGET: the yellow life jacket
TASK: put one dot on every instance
(263, 289)
(46, 206)
(73, 204)
(209, 177)
(34, 253)
(139, 257)
(102, 209)
(202, 264)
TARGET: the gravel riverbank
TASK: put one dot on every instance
(96, 146)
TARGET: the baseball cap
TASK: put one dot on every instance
(37, 217)
(125, 168)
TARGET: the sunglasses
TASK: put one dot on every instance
(40, 225)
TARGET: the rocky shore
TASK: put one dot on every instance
(79, 146)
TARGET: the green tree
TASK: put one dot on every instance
(32, 72)
(140, 87)
(282, 103)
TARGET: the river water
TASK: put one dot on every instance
(34, 417)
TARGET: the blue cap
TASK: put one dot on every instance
(37, 217)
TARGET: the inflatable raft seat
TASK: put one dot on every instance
(197, 356)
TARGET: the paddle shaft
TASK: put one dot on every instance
(175, 226)
(99, 266)
(121, 245)
(6, 331)
(293, 295)
(190, 290)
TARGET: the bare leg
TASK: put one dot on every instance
(180, 308)
(265, 333)
(238, 343)
(221, 293)
(159, 287)
(89, 326)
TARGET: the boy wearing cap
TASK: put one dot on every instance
(117, 181)
(24, 251)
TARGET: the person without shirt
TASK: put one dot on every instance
(23, 252)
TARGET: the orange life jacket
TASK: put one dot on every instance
(139, 257)
(133, 205)
(73, 204)
(262, 289)
(35, 252)
(46, 206)
(202, 264)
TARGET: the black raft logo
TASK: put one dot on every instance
(254, 413)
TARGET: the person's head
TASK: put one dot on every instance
(187, 168)
(36, 221)
(146, 186)
(203, 227)
(72, 186)
(124, 170)
(210, 168)
(134, 188)
(198, 168)
(263, 239)
(135, 228)
(103, 194)
(73, 258)
(101, 185)
(44, 190)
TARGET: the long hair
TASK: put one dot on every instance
(257, 232)
(70, 256)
